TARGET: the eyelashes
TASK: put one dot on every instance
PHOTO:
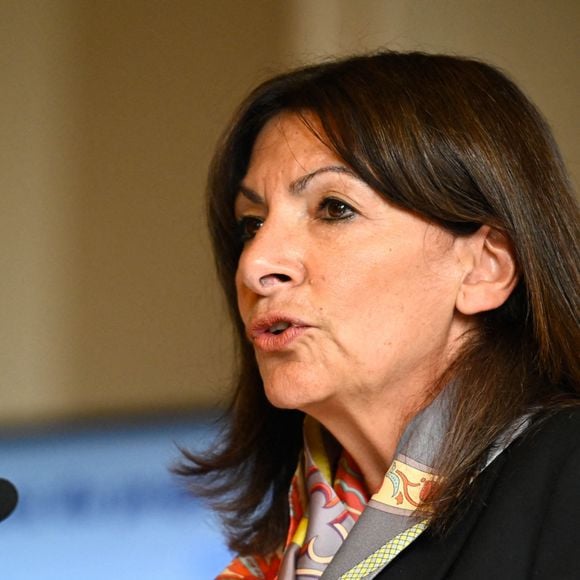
(334, 209)
(248, 226)
(330, 209)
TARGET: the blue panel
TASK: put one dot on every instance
(100, 504)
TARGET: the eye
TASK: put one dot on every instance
(332, 209)
(248, 227)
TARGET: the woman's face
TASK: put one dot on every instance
(348, 300)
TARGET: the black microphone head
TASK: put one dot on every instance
(8, 498)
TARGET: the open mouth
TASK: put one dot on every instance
(278, 327)
(275, 332)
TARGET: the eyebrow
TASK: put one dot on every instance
(298, 185)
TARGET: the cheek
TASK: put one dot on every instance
(371, 278)
(242, 297)
(379, 294)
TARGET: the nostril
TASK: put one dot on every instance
(273, 279)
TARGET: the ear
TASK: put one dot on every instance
(490, 271)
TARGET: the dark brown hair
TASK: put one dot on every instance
(452, 140)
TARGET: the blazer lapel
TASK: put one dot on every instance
(432, 556)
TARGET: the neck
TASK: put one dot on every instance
(370, 433)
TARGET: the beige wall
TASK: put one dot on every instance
(108, 114)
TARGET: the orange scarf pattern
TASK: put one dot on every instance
(347, 487)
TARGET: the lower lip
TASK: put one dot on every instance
(268, 342)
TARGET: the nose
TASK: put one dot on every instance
(271, 262)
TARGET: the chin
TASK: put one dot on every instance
(285, 396)
(287, 390)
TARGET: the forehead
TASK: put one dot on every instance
(288, 154)
(289, 139)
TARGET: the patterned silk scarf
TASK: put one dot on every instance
(326, 509)
(314, 503)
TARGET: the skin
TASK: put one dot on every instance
(374, 286)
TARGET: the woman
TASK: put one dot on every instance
(396, 238)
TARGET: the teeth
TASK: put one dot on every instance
(279, 327)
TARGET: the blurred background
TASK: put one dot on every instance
(114, 344)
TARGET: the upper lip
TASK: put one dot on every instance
(261, 324)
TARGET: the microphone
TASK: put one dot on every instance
(8, 498)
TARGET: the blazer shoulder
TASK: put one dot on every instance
(522, 521)
(554, 429)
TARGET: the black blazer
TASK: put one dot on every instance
(524, 523)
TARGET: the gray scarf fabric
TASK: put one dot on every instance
(334, 539)
(391, 520)
(392, 511)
